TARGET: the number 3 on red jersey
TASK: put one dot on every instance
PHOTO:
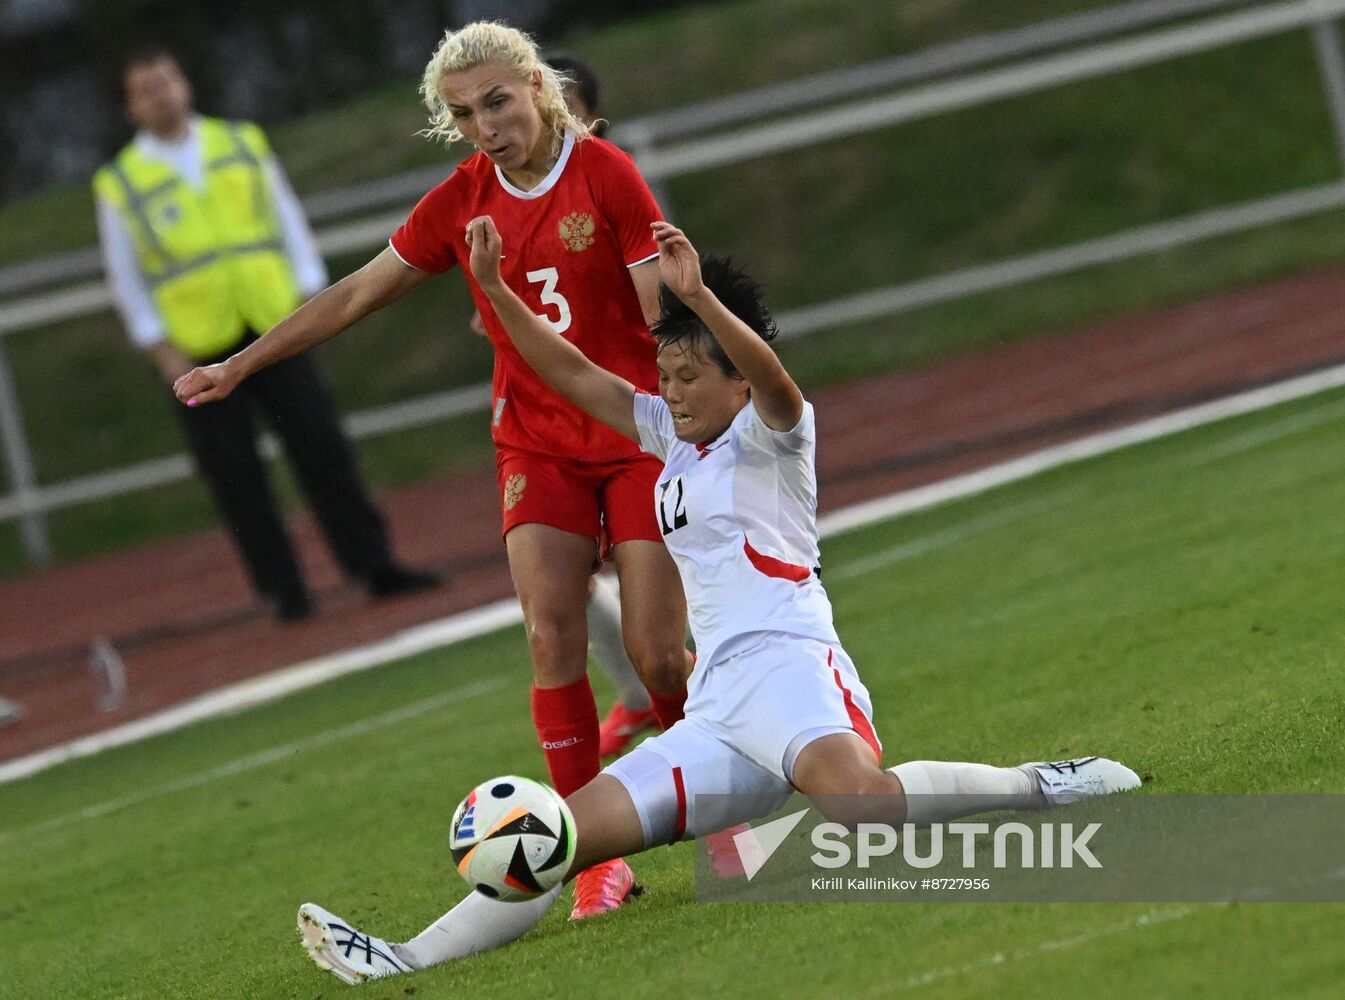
(547, 278)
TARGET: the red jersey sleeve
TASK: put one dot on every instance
(625, 199)
(424, 239)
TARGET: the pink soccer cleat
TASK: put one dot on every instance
(601, 888)
(725, 861)
(621, 726)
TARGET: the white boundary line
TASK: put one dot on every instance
(274, 686)
(948, 536)
(259, 758)
(501, 614)
(1271, 433)
(1034, 463)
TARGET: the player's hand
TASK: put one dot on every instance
(205, 385)
(679, 266)
(484, 239)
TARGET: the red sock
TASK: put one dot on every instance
(668, 707)
(567, 726)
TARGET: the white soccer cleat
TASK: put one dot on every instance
(1065, 782)
(347, 953)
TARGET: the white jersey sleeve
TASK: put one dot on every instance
(654, 422)
(310, 271)
(754, 433)
(125, 280)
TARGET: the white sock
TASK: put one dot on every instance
(478, 923)
(604, 639)
(943, 790)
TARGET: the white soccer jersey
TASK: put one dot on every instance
(739, 515)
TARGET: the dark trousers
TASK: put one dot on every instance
(295, 399)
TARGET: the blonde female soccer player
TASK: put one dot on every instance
(576, 213)
(774, 702)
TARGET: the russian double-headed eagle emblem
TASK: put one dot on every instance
(576, 231)
(513, 490)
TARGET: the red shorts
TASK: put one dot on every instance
(611, 501)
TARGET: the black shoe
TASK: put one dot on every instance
(393, 580)
(294, 606)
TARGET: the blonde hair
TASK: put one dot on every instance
(494, 41)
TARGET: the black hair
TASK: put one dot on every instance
(145, 55)
(578, 72)
(741, 295)
(580, 75)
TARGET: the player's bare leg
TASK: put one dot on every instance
(551, 570)
(841, 772)
(654, 619)
(631, 713)
(605, 821)
(838, 769)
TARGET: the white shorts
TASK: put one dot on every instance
(748, 717)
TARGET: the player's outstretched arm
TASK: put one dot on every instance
(774, 394)
(598, 392)
(381, 281)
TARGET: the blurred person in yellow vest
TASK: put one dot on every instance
(205, 247)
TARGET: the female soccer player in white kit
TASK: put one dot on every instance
(774, 702)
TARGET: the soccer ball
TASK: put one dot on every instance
(512, 838)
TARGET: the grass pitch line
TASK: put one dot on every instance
(1271, 433)
(1032, 464)
(503, 613)
(948, 536)
(273, 686)
(261, 758)
(999, 958)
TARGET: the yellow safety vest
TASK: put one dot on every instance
(213, 257)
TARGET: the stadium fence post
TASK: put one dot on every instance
(9, 712)
(19, 465)
(1326, 40)
(109, 671)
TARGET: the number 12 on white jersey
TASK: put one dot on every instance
(547, 278)
(672, 506)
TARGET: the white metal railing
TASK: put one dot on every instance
(29, 502)
(1063, 260)
(993, 85)
(917, 67)
(794, 323)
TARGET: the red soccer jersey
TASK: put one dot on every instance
(567, 246)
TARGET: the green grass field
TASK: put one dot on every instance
(1175, 605)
